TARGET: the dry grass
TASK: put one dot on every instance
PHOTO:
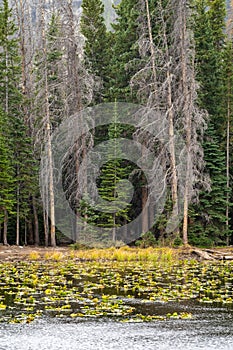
(128, 254)
(34, 255)
(56, 256)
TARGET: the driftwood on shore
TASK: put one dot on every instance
(211, 254)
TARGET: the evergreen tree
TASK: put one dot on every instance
(55, 71)
(209, 219)
(11, 103)
(112, 173)
(96, 44)
(124, 51)
(209, 25)
(7, 183)
(228, 102)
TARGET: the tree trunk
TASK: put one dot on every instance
(51, 190)
(36, 223)
(174, 181)
(25, 233)
(17, 217)
(30, 232)
(174, 220)
(145, 217)
(228, 159)
(188, 118)
(5, 226)
(48, 130)
(46, 227)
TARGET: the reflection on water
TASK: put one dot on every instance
(210, 328)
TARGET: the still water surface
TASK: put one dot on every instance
(210, 328)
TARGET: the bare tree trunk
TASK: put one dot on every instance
(187, 115)
(228, 157)
(25, 233)
(36, 223)
(5, 225)
(114, 228)
(75, 103)
(46, 227)
(51, 189)
(48, 131)
(17, 216)
(145, 216)
(173, 223)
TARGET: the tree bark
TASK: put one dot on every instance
(5, 226)
(48, 131)
(36, 223)
(188, 117)
(51, 189)
(173, 222)
(17, 216)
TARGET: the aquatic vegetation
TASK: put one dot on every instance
(128, 290)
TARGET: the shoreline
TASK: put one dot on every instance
(18, 253)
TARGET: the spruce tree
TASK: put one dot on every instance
(124, 51)
(112, 173)
(96, 44)
(12, 105)
(209, 219)
(209, 25)
(7, 183)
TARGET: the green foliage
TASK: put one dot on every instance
(7, 182)
(147, 240)
(112, 59)
(112, 173)
(124, 51)
(208, 219)
(96, 46)
(209, 25)
(16, 145)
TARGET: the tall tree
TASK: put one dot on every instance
(123, 52)
(12, 104)
(45, 123)
(7, 183)
(96, 45)
(214, 96)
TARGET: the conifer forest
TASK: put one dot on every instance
(172, 57)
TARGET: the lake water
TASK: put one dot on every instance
(210, 328)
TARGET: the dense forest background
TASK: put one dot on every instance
(173, 56)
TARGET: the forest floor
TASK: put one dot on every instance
(14, 253)
(17, 253)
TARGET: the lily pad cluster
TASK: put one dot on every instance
(121, 290)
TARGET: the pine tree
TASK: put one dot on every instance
(7, 183)
(228, 100)
(96, 44)
(208, 218)
(112, 173)
(124, 51)
(209, 33)
(12, 104)
(209, 24)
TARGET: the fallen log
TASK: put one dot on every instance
(202, 254)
